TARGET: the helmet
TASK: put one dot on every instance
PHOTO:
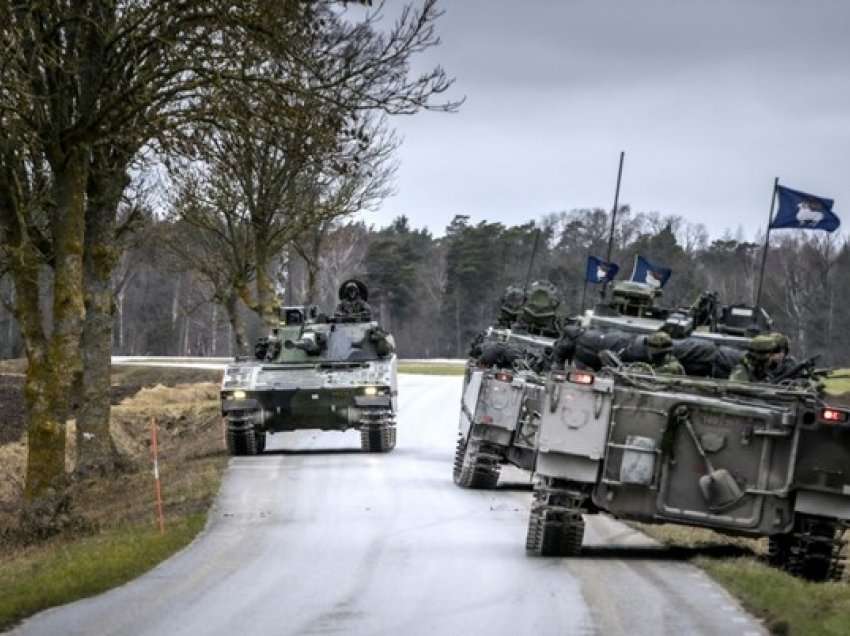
(362, 290)
(782, 342)
(762, 346)
(513, 300)
(659, 341)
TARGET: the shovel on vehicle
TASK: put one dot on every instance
(718, 486)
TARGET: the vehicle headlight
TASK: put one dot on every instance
(370, 390)
(239, 395)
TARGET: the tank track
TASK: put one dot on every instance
(377, 431)
(555, 524)
(813, 550)
(245, 442)
(477, 464)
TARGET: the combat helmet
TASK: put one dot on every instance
(659, 342)
(512, 301)
(783, 345)
(761, 346)
(362, 290)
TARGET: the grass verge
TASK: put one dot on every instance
(425, 368)
(789, 606)
(108, 537)
(840, 384)
(61, 572)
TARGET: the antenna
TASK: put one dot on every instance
(531, 262)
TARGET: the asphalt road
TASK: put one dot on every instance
(314, 537)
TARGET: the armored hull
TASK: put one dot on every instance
(499, 414)
(343, 382)
(745, 459)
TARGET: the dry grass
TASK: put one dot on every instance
(838, 382)
(113, 538)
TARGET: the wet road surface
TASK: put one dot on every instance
(315, 537)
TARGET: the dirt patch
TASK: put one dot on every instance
(127, 381)
(191, 459)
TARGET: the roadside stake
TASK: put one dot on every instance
(155, 454)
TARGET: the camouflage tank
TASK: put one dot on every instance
(503, 384)
(746, 459)
(315, 372)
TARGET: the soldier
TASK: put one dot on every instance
(780, 362)
(511, 304)
(353, 306)
(754, 365)
(659, 346)
(538, 313)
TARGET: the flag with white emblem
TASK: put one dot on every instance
(653, 275)
(598, 271)
(802, 211)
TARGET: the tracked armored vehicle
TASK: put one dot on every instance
(746, 459)
(633, 308)
(503, 387)
(315, 372)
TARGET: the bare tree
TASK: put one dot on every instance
(85, 87)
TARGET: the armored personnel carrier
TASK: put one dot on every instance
(746, 459)
(503, 386)
(315, 372)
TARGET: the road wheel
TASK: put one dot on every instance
(377, 439)
(247, 442)
(555, 525)
(812, 550)
(553, 537)
(474, 466)
(235, 443)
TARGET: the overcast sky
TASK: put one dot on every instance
(710, 101)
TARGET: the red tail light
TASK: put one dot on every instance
(580, 377)
(504, 376)
(834, 416)
(486, 419)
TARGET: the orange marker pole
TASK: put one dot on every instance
(155, 453)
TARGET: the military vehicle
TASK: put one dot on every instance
(315, 372)
(633, 308)
(498, 422)
(503, 385)
(755, 460)
(505, 376)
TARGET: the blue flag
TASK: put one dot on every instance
(652, 275)
(598, 271)
(801, 211)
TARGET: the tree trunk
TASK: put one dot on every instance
(237, 329)
(214, 330)
(312, 282)
(121, 296)
(267, 302)
(54, 370)
(458, 344)
(96, 453)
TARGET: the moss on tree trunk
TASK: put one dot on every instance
(54, 361)
(95, 448)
